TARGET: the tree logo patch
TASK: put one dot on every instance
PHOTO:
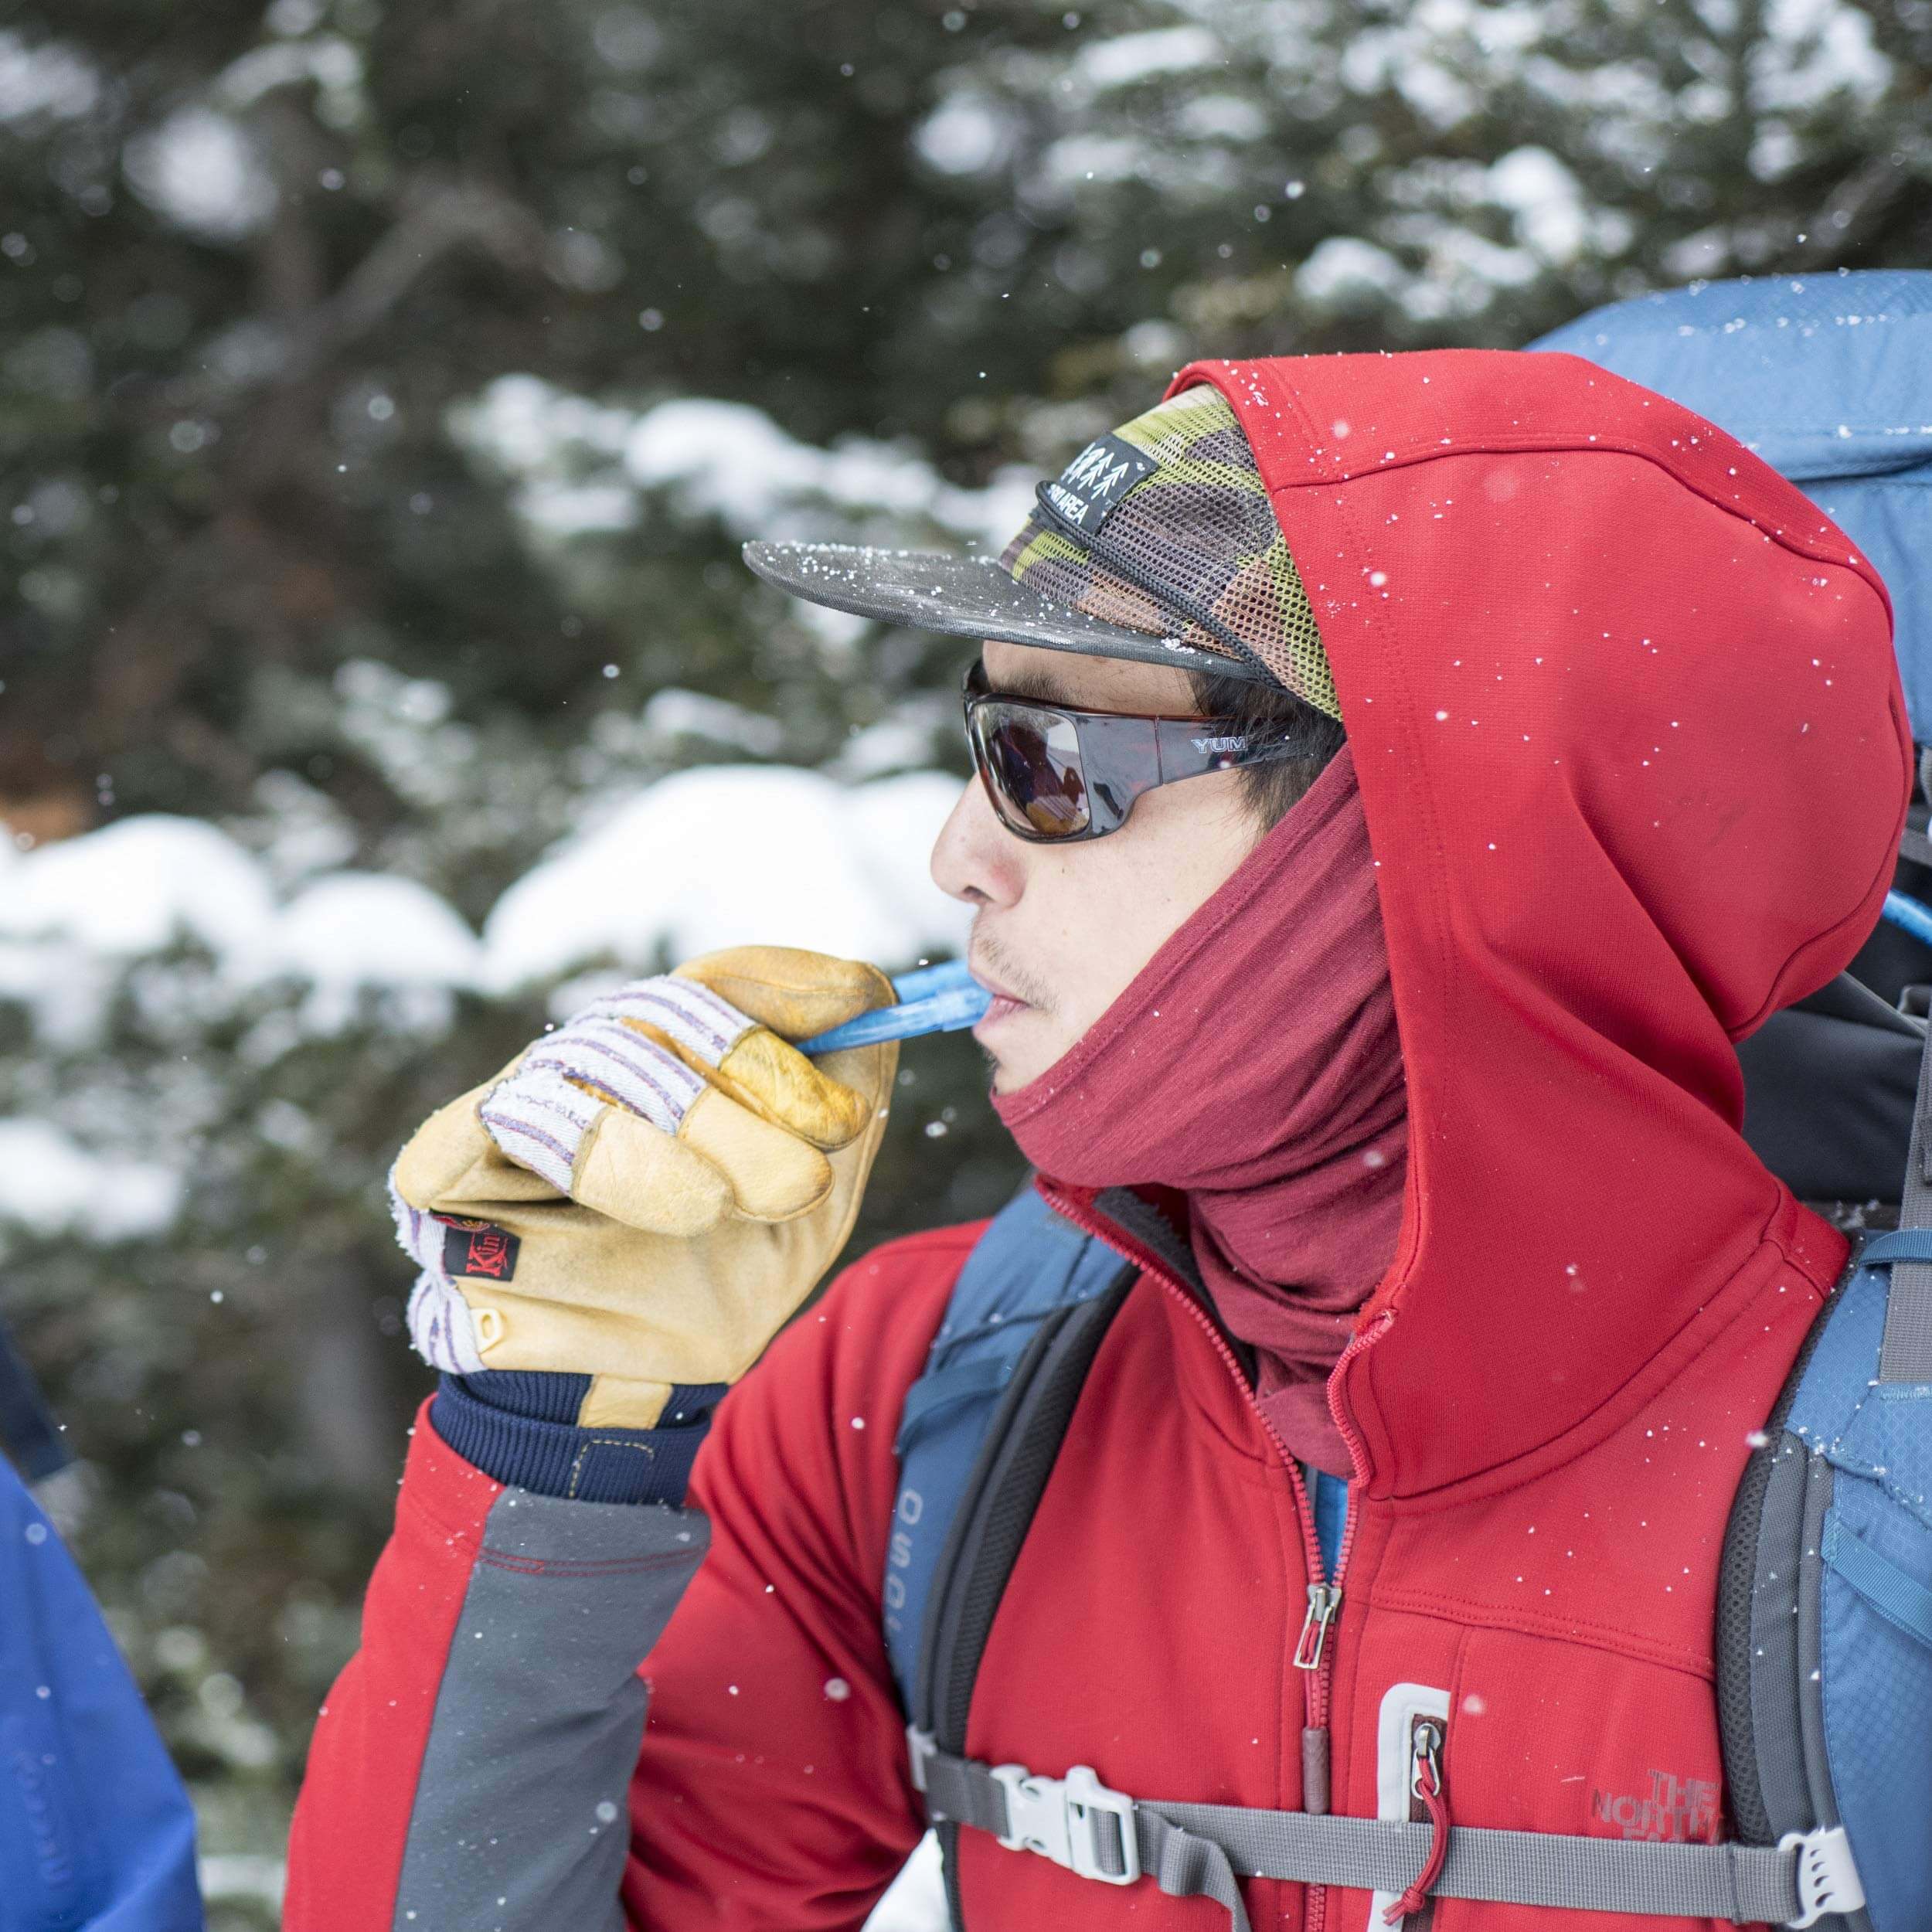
(1094, 482)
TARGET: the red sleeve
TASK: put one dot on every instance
(771, 1784)
(352, 1824)
(470, 1767)
(771, 1794)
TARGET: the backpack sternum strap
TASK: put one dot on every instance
(1193, 1851)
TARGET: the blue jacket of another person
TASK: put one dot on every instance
(96, 1834)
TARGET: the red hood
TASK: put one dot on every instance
(1635, 758)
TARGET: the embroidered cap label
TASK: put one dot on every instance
(479, 1249)
(1091, 486)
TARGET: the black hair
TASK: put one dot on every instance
(1270, 788)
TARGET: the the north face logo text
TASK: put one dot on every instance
(1094, 482)
(1675, 1811)
(479, 1250)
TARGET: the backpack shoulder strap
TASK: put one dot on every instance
(977, 1440)
(1824, 1608)
(1029, 1270)
(1905, 1354)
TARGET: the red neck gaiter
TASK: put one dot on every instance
(1253, 1064)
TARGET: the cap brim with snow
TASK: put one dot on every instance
(966, 597)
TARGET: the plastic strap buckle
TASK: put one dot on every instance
(1827, 1877)
(1067, 1819)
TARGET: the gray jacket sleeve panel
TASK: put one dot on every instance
(521, 1823)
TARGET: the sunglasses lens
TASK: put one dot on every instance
(1031, 760)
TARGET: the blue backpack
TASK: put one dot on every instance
(1824, 1637)
(1829, 378)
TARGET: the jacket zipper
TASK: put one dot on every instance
(1323, 1611)
(1324, 1592)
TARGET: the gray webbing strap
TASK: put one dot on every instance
(1185, 1866)
(1197, 1851)
(1915, 847)
(1906, 1353)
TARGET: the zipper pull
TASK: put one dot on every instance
(1324, 1600)
(1426, 1773)
(1425, 1783)
(1314, 1769)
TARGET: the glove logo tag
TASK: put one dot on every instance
(479, 1249)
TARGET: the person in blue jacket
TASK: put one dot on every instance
(96, 1831)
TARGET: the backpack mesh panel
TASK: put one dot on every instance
(1193, 551)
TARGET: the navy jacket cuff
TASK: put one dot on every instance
(519, 1426)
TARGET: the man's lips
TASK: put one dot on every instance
(1004, 1002)
(1002, 1008)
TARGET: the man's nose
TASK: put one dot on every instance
(975, 858)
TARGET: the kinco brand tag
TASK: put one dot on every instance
(1093, 483)
(475, 1250)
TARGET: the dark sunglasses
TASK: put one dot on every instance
(1055, 773)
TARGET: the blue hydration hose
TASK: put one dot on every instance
(1909, 916)
(944, 999)
(934, 999)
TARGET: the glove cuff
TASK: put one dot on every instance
(519, 1427)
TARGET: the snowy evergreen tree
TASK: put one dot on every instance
(386, 388)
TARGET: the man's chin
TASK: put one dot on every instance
(1020, 1042)
(1010, 1071)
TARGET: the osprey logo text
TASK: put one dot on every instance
(1676, 1810)
(1091, 486)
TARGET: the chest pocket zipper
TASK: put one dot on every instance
(1415, 1911)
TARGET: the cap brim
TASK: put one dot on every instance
(967, 596)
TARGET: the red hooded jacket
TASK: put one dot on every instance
(1634, 761)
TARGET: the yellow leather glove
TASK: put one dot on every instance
(647, 1194)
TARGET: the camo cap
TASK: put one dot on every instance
(1157, 543)
(1166, 525)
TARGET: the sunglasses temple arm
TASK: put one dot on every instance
(1187, 747)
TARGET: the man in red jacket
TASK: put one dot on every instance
(1422, 1042)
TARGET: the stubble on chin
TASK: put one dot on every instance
(995, 1082)
(989, 953)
